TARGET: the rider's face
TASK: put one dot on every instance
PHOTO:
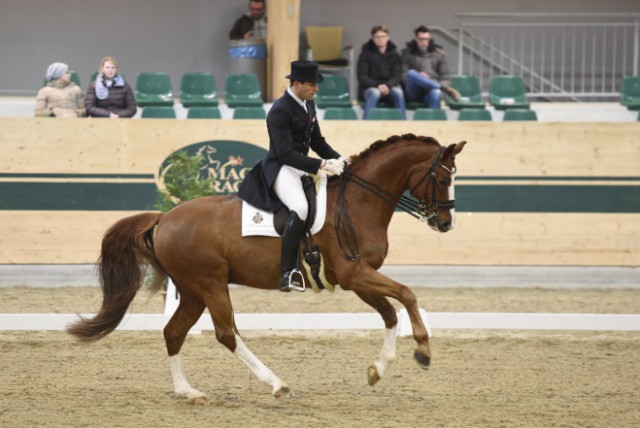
(305, 90)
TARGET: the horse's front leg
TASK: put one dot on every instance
(377, 370)
(366, 280)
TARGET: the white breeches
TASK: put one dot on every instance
(288, 187)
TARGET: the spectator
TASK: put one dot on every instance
(379, 72)
(425, 70)
(61, 97)
(293, 129)
(252, 25)
(109, 95)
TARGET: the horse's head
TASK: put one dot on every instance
(432, 183)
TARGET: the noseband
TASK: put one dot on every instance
(420, 210)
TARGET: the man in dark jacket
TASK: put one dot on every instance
(379, 72)
(293, 129)
(425, 70)
(252, 25)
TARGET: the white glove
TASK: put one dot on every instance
(333, 166)
(343, 159)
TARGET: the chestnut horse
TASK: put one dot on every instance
(199, 246)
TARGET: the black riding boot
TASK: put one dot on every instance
(291, 277)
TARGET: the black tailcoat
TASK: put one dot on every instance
(292, 131)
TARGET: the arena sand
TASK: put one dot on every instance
(478, 378)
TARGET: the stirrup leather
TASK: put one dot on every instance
(293, 283)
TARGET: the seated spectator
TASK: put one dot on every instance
(379, 72)
(61, 97)
(425, 70)
(110, 96)
(252, 25)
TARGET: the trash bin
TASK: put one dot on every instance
(249, 56)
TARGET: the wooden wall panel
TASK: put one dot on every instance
(85, 146)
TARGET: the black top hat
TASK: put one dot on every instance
(305, 71)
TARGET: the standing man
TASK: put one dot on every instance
(379, 72)
(425, 70)
(252, 25)
(293, 128)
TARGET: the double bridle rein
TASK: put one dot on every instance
(416, 208)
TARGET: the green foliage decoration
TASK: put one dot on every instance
(183, 180)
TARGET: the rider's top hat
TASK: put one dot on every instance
(305, 71)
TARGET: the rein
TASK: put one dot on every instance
(417, 209)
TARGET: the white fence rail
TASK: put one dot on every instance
(351, 321)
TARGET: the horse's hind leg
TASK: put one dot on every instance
(219, 305)
(388, 352)
(187, 314)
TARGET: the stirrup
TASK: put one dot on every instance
(288, 283)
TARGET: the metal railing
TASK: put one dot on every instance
(574, 57)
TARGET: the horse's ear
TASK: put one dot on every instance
(453, 149)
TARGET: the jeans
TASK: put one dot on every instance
(420, 88)
(372, 96)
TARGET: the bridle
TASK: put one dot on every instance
(428, 211)
(416, 208)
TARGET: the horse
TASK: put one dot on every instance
(198, 244)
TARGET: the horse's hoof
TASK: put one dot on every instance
(197, 401)
(283, 391)
(422, 359)
(372, 375)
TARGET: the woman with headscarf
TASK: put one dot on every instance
(61, 97)
(109, 95)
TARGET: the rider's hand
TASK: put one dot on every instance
(344, 160)
(333, 166)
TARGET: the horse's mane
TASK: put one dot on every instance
(394, 139)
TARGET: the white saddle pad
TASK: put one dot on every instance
(256, 222)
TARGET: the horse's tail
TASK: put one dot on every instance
(125, 246)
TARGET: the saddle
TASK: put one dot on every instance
(257, 222)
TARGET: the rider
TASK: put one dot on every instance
(276, 180)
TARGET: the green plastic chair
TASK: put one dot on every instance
(242, 90)
(429, 114)
(520, 114)
(385, 113)
(153, 89)
(475, 114)
(75, 78)
(340, 113)
(333, 92)
(630, 92)
(249, 113)
(415, 105)
(158, 112)
(198, 90)
(470, 93)
(507, 92)
(204, 113)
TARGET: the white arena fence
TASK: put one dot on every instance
(344, 321)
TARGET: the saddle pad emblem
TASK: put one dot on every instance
(258, 218)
